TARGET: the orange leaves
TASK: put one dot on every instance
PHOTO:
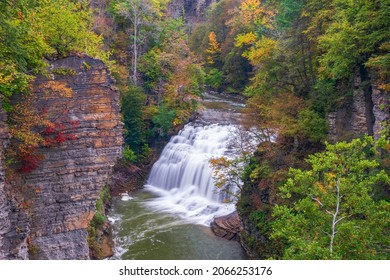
(321, 187)
(214, 48)
(31, 128)
(254, 12)
(250, 10)
(54, 89)
(20, 15)
(220, 162)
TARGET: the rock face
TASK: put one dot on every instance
(227, 227)
(381, 109)
(80, 100)
(193, 11)
(366, 113)
(5, 223)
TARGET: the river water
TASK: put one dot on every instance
(169, 219)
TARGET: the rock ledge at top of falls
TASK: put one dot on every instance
(228, 226)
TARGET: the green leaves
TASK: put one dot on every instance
(32, 30)
(65, 26)
(356, 30)
(334, 215)
(132, 104)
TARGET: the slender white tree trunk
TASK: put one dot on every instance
(135, 49)
(334, 220)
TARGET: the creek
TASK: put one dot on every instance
(169, 219)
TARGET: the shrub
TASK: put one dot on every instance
(129, 155)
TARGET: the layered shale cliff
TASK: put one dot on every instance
(367, 111)
(84, 141)
(5, 224)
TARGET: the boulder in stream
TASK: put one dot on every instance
(228, 226)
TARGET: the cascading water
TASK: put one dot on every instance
(182, 177)
(169, 218)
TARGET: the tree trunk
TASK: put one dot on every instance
(334, 221)
(135, 48)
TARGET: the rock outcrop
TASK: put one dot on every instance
(80, 99)
(5, 223)
(381, 109)
(192, 11)
(367, 111)
(228, 226)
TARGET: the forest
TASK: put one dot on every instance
(309, 192)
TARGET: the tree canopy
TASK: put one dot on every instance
(334, 215)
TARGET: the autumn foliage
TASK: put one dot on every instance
(32, 128)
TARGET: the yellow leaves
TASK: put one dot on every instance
(23, 120)
(257, 16)
(159, 6)
(330, 179)
(321, 187)
(245, 39)
(328, 184)
(214, 48)
(220, 162)
(250, 9)
(6, 79)
(250, 5)
(177, 122)
(253, 11)
(54, 89)
(220, 165)
(262, 51)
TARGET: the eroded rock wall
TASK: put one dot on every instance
(84, 141)
(367, 111)
(5, 223)
(381, 109)
(73, 172)
(193, 11)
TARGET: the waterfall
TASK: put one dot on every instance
(182, 177)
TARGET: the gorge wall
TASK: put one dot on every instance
(48, 218)
(366, 112)
(5, 224)
(193, 11)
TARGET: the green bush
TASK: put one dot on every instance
(98, 220)
(163, 120)
(64, 71)
(146, 153)
(312, 125)
(133, 103)
(214, 78)
(129, 155)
